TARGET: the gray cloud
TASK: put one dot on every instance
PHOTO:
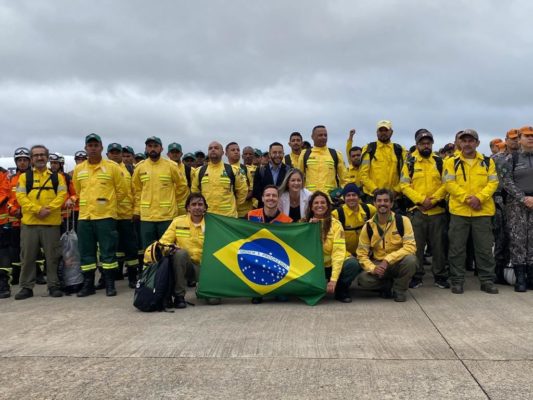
(255, 71)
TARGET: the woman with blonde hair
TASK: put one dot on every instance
(293, 196)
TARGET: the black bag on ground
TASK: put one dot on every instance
(155, 287)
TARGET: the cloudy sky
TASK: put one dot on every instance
(254, 71)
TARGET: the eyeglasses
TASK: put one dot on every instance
(39, 155)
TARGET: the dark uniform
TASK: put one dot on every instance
(517, 179)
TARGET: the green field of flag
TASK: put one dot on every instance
(249, 259)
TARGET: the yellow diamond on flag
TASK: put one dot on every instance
(263, 261)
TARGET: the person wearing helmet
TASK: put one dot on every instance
(57, 163)
(23, 162)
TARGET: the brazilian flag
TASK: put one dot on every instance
(249, 259)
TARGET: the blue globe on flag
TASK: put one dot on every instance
(263, 261)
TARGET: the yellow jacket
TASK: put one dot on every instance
(391, 247)
(334, 249)
(353, 175)
(221, 197)
(186, 235)
(100, 188)
(31, 205)
(354, 221)
(476, 180)
(294, 159)
(425, 182)
(125, 206)
(156, 187)
(320, 173)
(184, 190)
(381, 172)
(248, 177)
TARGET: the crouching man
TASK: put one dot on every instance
(387, 250)
(187, 233)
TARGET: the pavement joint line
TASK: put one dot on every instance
(270, 357)
(450, 346)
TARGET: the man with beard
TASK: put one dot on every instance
(174, 153)
(41, 194)
(421, 183)
(157, 184)
(295, 143)
(220, 183)
(271, 174)
(471, 180)
(100, 186)
(128, 158)
(322, 166)
(127, 241)
(233, 154)
(386, 250)
(382, 162)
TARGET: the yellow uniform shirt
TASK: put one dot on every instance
(216, 187)
(125, 206)
(32, 202)
(354, 221)
(320, 173)
(425, 182)
(156, 185)
(184, 191)
(389, 246)
(100, 187)
(186, 235)
(247, 205)
(334, 249)
(470, 178)
(380, 172)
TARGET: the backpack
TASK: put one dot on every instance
(411, 165)
(288, 161)
(398, 151)
(227, 168)
(188, 175)
(52, 178)
(399, 225)
(458, 163)
(155, 286)
(342, 216)
(333, 154)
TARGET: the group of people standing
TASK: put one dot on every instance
(379, 217)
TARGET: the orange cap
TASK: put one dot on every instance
(512, 134)
(526, 130)
(495, 141)
(502, 145)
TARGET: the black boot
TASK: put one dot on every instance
(529, 276)
(520, 273)
(342, 293)
(15, 274)
(132, 277)
(88, 284)
(5, 289)
(109, 277)
(119, 272)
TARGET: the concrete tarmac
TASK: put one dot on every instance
(436, 345)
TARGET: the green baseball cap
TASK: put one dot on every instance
(114, 146)
(128, 149)
(189, 155)
(140, 155)
(92, 136)
(154, 139)
(258, 152)
(199, 153)
(174, 146)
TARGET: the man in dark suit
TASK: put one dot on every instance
(271, 174)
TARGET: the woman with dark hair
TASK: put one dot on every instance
(340, 267)
(294, 197)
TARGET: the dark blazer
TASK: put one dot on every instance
(263, 177)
